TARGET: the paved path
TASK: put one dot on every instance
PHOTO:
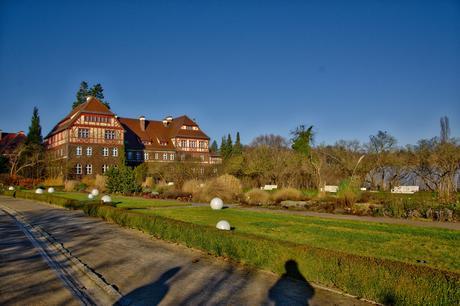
(149, 271)
(25, 278)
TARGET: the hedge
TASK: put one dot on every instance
(381, 280)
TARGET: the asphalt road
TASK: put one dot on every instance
(25, 278)
(147, 271)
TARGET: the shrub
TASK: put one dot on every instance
(162, 188)
(122, 180)
(227, 187)
(81, 187)
(257, 197)
(54, 181)
(192, 186)
(70, 185)
(88, 181)
(100, 183)
(148, 183)
(140, 173)
(348, 192)
(287, 194)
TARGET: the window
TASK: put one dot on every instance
(202, 144)
(171, 156)
(165, 156)
(109, 134)
(138, 155)
(83, 133)
(89, 151)
(89, 169)
(105, 168)
(202, 158)
(78, 169)
(79, 151)
(105, 151)
(192, 143)
(115, 152)
(183, 143)
(146, 156)
(156, 155)
(130, 155)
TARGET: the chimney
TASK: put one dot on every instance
(142, 123)
(88, 98)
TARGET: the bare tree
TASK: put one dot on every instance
(380, 147)
(270, 140)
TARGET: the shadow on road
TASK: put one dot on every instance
(292, 288)
(150, 294)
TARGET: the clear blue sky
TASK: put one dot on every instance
(349, 68)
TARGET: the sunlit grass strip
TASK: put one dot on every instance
(382, 280)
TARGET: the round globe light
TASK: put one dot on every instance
(223, 225)
(50, 190)
(39, 191)
(95, 192)
(217, 203)
(90, 196)
(106, 199)
(11, 188)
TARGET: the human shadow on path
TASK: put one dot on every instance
(292, 288)
(151, 294)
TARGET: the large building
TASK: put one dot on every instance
(91, 138)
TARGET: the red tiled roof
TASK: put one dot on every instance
(156, 132)
(91, 106)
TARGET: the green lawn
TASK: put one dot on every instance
(438, 247)
(125, 202)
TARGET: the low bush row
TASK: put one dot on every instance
(385, 281)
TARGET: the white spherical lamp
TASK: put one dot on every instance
(50, 190)
(11, 188)
(38, 191)
(90, 196)
(95, 192)
(223, 225)
(217, 203)
(106, 199)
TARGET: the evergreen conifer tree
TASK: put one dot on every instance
(96, 91)
(82, 93)
(214, 148)
(223, 147)
(35, 130)
(237, 147)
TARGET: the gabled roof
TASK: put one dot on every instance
(10, 141)
(156, 132)
(91, 106)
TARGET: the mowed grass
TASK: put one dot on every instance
(434, 247)
(124, 202)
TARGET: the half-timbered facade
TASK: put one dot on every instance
(172, 139)
(89, 140)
